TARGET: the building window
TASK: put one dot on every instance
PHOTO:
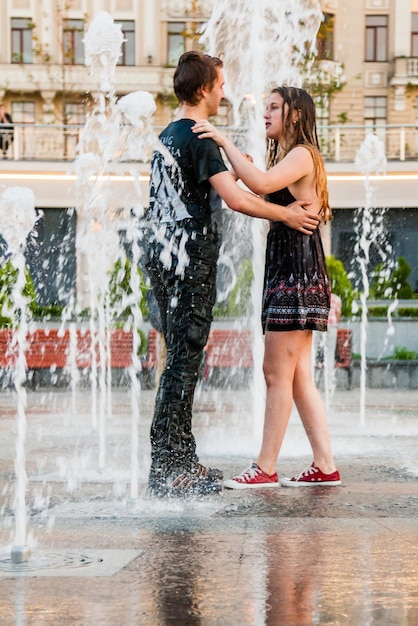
(375, 110)
(22, 40)
(128, 46)
(376, 37)
(23, 112)
(325, 38)
(73, 33)
(74, 113)
(375, 116)
(414, 35)
(176, 42)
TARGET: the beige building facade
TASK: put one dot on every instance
(377, 41)
(43, 78)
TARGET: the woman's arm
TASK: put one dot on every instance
(243, 168)
(297, 164)
(295, 215)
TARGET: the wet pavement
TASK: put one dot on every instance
(103, 554)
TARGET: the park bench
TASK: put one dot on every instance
(227, 350)
(230, 349)
(50, 349)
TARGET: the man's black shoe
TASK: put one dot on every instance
(184, 485)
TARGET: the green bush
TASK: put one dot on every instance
(47, 311)
(404, 354)
(396, 286)
(121, 296)
(8, 279)
(382, 311)
(404, 311)
(120, 290)
(376, 311)
(399, 354)
(341, 284)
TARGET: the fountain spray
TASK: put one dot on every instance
(117, 137)
(370, 158)
(279, 36)
(19, 205)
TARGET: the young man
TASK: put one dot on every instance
(188, 180)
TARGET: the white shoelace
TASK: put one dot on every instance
(251, 472)
(309, 471)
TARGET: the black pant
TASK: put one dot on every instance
(186, 293)
(5, 141)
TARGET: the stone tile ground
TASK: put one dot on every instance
(101, 555)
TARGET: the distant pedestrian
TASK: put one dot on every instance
(6, 130)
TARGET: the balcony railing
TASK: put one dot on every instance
(405, 70)
(339, 143)
(42, 142)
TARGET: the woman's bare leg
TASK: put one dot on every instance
(281, 356)
(311, 408)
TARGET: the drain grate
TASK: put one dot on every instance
(68, 563)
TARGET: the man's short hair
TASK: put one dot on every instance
(194, 70)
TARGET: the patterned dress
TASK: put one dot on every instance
(297, 288)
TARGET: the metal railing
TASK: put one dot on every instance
(42, 142)
(339, 143)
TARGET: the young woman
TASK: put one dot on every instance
(296, 298)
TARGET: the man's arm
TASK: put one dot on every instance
(294, 215)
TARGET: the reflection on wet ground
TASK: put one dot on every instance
(294, 557)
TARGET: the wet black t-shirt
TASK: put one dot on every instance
(180, 173)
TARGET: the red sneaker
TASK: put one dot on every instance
(312, 477)
(252, 478)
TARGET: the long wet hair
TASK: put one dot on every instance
(302, 132)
